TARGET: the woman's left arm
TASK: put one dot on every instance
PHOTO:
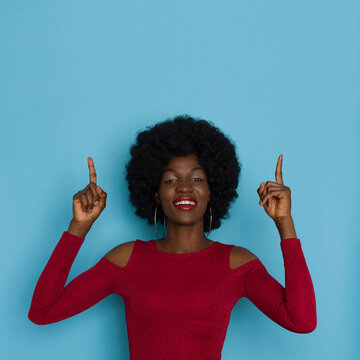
(293, 307)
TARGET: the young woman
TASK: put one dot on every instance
(179, 290)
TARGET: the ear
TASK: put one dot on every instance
(157, 198)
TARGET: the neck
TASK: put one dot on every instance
(184, 238)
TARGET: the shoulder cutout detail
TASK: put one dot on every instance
(120, 254)
(240, 256)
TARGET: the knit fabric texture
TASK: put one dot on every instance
(177, 306)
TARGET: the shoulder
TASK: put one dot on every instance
(240, 256)
(120, 254)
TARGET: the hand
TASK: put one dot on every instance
(276, 197)
(89, 202)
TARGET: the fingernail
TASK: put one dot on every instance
(90, 210)
(96, 202)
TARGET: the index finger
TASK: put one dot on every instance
(278, 171)
(92, 172)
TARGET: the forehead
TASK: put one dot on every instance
(187, 162)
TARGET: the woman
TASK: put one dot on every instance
(179, 290)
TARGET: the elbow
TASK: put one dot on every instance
(304, 322)
(44, 317)
(306, 328)
(311, 323)
(312, 326)
(37, 318)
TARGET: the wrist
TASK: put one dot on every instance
(286, 227)
(79, 229)
(285, 220)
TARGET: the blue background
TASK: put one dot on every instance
(81, 78)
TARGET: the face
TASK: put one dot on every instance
(183, 176)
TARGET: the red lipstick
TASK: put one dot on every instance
(185, 202)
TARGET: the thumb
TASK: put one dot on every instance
(102, 194)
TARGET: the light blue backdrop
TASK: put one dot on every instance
(80, 78)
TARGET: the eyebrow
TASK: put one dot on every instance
(193, 169)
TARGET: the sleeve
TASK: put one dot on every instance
(292, 307)
(52, 302)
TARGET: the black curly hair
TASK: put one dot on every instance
(183, 135)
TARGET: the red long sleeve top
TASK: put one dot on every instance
(177, 306)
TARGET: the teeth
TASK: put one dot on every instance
(185, 202)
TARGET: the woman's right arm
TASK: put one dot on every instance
(52, 301)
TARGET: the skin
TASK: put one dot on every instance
(184, 228)
(275, 196)
(88, 204)
(276, 199)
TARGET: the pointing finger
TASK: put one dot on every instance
(95, 194)
(92, 172)
(278, 171)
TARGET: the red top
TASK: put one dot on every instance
(177, 306)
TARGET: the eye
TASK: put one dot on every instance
(171, 180)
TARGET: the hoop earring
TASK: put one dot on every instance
(210, 222)
(155, 223)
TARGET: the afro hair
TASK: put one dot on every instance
(183, 135)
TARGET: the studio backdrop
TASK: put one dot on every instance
(81, 79)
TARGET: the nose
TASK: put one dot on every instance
(184, 186)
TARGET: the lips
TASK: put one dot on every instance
(185, 206)
(183, 198)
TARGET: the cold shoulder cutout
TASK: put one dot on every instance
(240, 256)
(120, 254)
(177, 305)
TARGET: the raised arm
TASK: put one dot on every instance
(52, 301)
(292, 307)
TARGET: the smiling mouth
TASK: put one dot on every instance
(185, 207)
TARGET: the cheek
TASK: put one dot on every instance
(166, 198)
(206, 191)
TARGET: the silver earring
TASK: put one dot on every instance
(155, 223)
(210, 222)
